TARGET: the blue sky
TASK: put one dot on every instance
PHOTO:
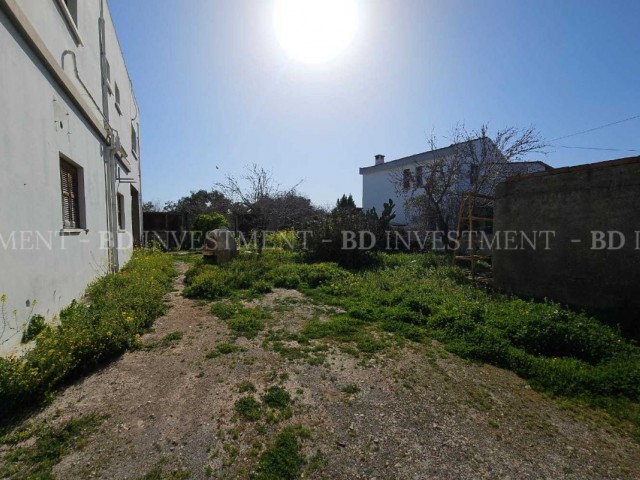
(217, 90)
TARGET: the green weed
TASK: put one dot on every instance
(224, 349)
(276, 397)
(248, 408)
(36, 461)
(283, 460)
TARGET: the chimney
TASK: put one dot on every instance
(379, 159)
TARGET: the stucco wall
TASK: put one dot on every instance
(573, 202)
(379, 181)
(37, 260)
(377, 188)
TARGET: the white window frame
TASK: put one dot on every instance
(117, 97)
(107, 68)
(121, 210)
(135, 140)
(70, 21)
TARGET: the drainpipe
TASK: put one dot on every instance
(109, 153)
(140, 215)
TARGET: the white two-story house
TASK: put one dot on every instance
(69, 156)
(399, 179)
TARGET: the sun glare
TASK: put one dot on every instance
(315, 31)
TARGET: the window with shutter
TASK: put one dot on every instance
(121, 220)
(134, 140)
(406, 179)
(70, 197)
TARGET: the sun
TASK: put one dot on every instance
(315, 31)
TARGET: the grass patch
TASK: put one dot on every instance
(51, 445)
(420, 297)
(248, 323)
(226, 310)
(350, 389)
(224, 349)
(283, 459)
(248, 408)
(244, 387)
(169, 340)
(276, 397)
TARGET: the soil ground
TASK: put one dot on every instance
(409, 412)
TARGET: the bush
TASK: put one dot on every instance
(209, 282)
(248, 408)
(248, 323)
(276, 397)
(34, 327)
(206, 222)
(121, 306)
(283, 459)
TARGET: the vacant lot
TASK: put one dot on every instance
(264, 382)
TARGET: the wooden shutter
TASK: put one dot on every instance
(70, 200)
(134, 139)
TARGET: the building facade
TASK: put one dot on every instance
(69, 153)
(399, 179)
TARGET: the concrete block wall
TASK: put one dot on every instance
(573, 203)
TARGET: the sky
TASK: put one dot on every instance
(218, 92)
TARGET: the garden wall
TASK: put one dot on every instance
(573, 203)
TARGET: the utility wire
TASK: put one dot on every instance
(597, 128)
(598, 148)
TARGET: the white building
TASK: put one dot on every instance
(380, 181)
(69, 156)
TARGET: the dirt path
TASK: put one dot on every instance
(407, 413)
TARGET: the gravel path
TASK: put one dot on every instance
(411, 412)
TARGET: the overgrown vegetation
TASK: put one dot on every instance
(224, 349)
(283, 460)
(34, 327)
(421, 297)
(276, 397)
(35, 460)
(169, 340)
(121, 306)
(248, 408)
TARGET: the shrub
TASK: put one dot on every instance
(206, 222)
(34, 327)
(283, 459)
(261, 286)
(224, 349)
(248, 408)
(248, 323)
(283, 239)
(286, 276)
(224, 310)
(211, 283)
(276, 397)
(121, 306)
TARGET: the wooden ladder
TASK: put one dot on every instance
(472, 255)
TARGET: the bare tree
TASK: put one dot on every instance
(475, 162)
(260, 198)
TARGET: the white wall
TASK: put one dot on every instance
(43, 263)
(379, 181)
(378, 187)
